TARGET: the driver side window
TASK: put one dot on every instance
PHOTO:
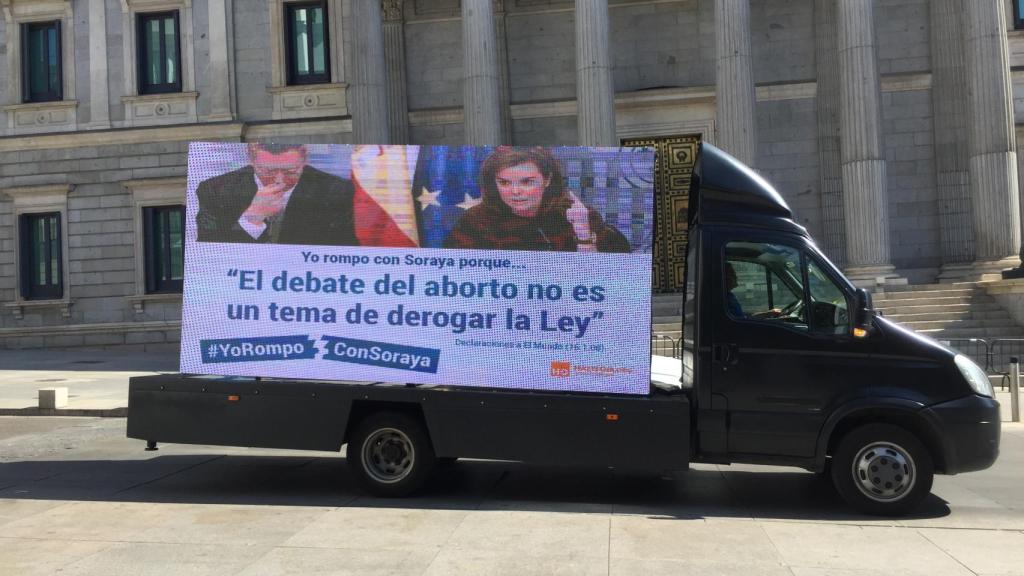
(764, 282)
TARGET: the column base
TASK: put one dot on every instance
(875, 278)
(956, 272)
(980, 270)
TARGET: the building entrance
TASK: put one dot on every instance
(673, 167)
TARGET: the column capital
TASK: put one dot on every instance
(392, 10)
(499, 6)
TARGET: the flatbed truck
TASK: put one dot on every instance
(815, 380)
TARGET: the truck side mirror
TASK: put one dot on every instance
(863, 314)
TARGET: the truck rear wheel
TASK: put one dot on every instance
(390, 454)
(882, 469)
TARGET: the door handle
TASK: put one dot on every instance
(728, 354)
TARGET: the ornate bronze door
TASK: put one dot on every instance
(673, 167)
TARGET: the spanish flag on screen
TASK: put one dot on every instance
(385, 214)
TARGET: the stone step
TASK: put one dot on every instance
(986, 308)
(928, 287)
(924, 294)
(959, 324)
(946, 316)
(673, 319)
(966, 333)
(929, 301)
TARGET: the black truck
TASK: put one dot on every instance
(783, 361)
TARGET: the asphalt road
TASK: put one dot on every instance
(77, 497)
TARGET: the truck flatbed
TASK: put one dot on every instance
(542, 427)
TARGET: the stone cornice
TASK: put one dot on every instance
(146, 183)
(46, 193)
(225, 131)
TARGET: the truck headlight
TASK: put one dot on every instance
(974, 375)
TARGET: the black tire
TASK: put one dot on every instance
(882, 469)
(390, 454)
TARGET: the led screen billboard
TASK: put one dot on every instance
(508, 267)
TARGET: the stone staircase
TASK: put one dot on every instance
(955, 313)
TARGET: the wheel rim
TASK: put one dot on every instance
(884, 472)
(388, 455)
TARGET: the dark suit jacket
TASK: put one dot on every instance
(319, 210)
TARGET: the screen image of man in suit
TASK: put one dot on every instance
(276, 199)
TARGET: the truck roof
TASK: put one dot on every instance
(724, 190)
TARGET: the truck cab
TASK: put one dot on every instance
(790, 365)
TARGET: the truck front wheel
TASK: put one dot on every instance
(882, 469)
(390, 454)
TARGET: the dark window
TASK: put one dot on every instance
(159, 53)
(165, 241)
(41, 62)
(1018, 14)
(309, 60)
(41, 267)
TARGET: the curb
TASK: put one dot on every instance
(93, 412)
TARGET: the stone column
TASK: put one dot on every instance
(991, 139)
(865, 198)
(368, 92)
(99, 91)
(394, 56)
(949, 105)
(219, 87)
(505, 106)
(481, 103)
(735, 100)
(595, 89)
(831, 172)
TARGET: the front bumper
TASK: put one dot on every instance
(968, 430)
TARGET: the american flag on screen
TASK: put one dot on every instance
(445, 187)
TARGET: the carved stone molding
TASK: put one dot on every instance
(155, 109)
(309, 101)
(42, 117)
(392, 10)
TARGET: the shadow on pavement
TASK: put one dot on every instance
(466, 485)
(159, 359)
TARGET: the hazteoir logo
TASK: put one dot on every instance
(561, 369)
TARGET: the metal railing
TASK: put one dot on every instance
(662, 345)
(977, 349)
(993, 356)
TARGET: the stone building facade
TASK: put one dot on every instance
(888, 125)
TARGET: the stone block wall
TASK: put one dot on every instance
(913, 198)
(903, 36)
(433, 57)
(788, 156)
(252, 60)
(100, 231)
(782, 40)
(541, 61)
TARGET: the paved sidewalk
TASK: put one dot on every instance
(97, 381)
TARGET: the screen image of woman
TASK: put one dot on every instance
(525, 205)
